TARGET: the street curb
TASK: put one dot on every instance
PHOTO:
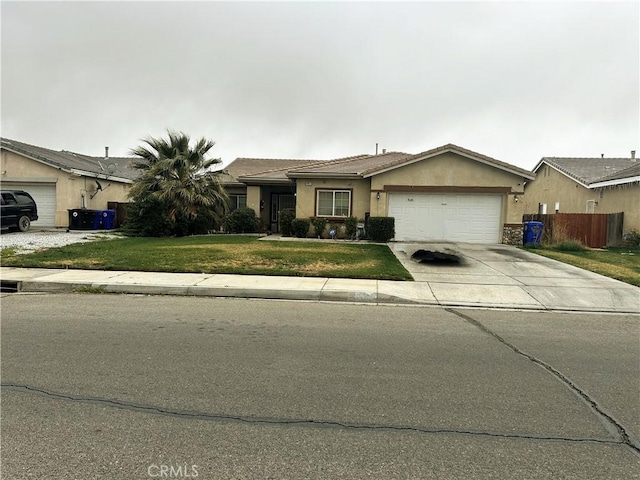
(30, 286)
(34, 286)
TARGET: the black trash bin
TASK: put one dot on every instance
(81, 219)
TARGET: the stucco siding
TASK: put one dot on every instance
(306, 194)
(451, 170)
(621, 198)
(551, 187)
(448, 169)
(70, 188)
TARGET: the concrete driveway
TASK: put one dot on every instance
(501, 275)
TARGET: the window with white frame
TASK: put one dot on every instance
(333, 203)
(237, 201)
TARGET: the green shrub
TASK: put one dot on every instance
(300, 227)
(533, 246)
(148, 218)
(286, 217)
(381, 229)
(351, 226)
(242, 220)
(569, 246)
(319, 224)
(631, 238)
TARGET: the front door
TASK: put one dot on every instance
(279, 202)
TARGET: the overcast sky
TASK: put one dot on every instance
(515, 81)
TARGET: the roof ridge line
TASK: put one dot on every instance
(334, 161)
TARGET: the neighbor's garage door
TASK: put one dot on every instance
(45, 196)
(459, 217)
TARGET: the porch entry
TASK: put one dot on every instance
(279, 202)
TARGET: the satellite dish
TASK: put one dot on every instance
(111, 168)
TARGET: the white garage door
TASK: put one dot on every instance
(456, 217)
(45, 196)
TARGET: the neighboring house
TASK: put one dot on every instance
(445, 194)
(61, 180)
(586, 185)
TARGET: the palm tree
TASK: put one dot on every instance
(179, 177)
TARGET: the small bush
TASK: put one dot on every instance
(533, 246)
(319, 224)
(286, 217)
(381, 229)
(351, 226)
(148, 218)
(631, 238)
(242, 220)
(569, 246)
(300, 227)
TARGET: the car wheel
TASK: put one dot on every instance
(24, 223)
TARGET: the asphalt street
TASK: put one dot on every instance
(135, 387)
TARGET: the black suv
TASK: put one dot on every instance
(18, 209)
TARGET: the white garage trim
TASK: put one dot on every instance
(453, 217)
(45, 196)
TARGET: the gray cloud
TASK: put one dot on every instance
(516, 81)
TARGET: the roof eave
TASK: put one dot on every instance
(324, 175)
(264, 181)
(49, 163)
(571, 177)
(436, 152)
(102, 176)
(619, 181)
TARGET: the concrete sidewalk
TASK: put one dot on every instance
(494, 276)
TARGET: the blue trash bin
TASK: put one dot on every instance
(104, 219)
(97, 220)
(533, 232)
(108, 219)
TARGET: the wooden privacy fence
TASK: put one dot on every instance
(121, 212)
(595, 230)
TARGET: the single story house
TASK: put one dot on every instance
(62, 180)
(447, 193)
(586, 185)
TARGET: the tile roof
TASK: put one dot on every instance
(119, 167)
(363, 166)
(261, 168)
(588, 170)
(359, 165)
(631, 173)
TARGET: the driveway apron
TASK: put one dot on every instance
(502, 275)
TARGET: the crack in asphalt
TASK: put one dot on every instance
(606, 419)
(151, 409)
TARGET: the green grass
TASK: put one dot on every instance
(221, 254)
(621, 263)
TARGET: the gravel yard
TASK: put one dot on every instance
(37, 239)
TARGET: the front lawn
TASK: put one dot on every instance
(221, 254)
(621, 263)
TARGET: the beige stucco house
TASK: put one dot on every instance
(61, 180)
(586, 185)
(447, 193)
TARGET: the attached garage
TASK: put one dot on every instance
(458, 217)
(45, 196)
(63, 180)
